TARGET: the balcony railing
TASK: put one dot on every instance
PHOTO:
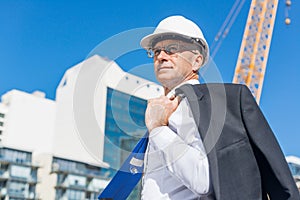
(67, 184)
(56, 168)
(3, 192)
(4, 174)
(20, 194)
(5, 160)
(17, 194)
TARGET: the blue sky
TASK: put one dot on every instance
(41, 39)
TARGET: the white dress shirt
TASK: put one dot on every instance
(176, 165)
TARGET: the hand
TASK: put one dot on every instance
(159, 110)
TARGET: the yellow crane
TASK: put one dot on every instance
(252, 60)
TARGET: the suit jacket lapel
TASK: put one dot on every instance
(200, 105)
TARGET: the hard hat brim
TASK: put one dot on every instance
(146, 42)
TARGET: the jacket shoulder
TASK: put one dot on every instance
(228, 87)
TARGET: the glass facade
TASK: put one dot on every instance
(76, 180)
(124, 126)
(295, 169)
(18, 176)
(1, 125)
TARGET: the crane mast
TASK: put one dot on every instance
(251, 64)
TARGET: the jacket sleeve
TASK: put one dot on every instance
(277, 180)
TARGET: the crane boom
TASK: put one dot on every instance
(254, 51)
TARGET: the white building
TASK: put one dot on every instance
(69, 133)
(81, 106)
(27, 121)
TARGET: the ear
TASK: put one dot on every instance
(198, 61)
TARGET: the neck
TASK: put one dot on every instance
(168, 89)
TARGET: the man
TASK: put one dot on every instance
(206, 141)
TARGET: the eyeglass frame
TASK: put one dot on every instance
(152, 52)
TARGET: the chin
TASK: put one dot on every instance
(169, 83)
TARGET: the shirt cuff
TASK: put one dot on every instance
(161, 137)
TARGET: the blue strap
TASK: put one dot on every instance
(128, 175)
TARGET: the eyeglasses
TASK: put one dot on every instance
(170, 49)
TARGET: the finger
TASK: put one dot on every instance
(172, 97)
(179, 98)
(176, 101)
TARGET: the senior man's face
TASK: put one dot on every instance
(175, 62)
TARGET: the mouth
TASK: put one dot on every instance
(163, 67)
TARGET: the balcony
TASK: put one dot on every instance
(69, 185)
(65, 197)
(97, 185)
(4, 174)
(3, 192)
(20, 195)
(8, 161)
(83, 172)
(16, 194)
(29, 180)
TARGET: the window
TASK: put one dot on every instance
(2, 115)
(124, 125)
(20, 171)
(65, 165)
(2, 184)
(295, 169)
(77, 180)
(15, 155)
(17, 189)
(75, 195)
(75, 167)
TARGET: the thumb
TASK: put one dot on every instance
(176, 101)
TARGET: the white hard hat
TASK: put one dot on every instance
(177, 26)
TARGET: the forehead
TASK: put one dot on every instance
(169, 41)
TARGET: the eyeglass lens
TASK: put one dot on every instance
(169, 49)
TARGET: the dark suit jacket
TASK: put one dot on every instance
(245, 160)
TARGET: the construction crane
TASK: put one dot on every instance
(252, 60)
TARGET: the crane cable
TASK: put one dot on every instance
(225, 28)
